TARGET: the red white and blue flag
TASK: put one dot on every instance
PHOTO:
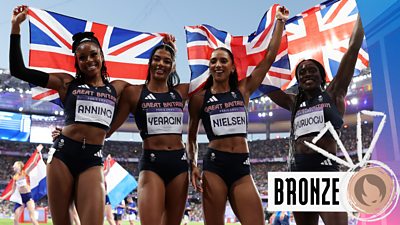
(37, 178)
(126, 52)
(248, 51)
(322, 33)
(119, 183)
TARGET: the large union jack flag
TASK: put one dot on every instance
(126, 52)
(323, 33)
(248, 51)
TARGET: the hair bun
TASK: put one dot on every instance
(81, 35)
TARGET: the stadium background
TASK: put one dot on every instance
(260, 149)
(25, 122)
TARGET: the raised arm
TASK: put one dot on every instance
(252, 82)
(339, 85)
(126, 104)
(282, 99)
(183, 90)
(195, 104)
(119, 86)
(54, 81)
(29, 168)
(169, 39)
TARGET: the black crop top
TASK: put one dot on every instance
(224, 115)
(313, 113)
(90, 105)
(159, 113)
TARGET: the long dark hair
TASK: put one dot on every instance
(300, 97)
(173, 77)
(82, 37)
(233, 77)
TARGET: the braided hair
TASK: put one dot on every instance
(173, 77)
(82, 37)
(233, 77)
(300, 97)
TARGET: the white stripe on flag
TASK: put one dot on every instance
(115, 176)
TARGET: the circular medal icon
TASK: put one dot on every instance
(373, 191)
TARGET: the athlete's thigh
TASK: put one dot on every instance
(175, 199)
(151, 197)
(306, 218)
(90, 196)
(215, 194)
(246, 202)
(60, 187)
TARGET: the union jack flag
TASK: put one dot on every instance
(248, 51)
(322, 33)
(126, 52)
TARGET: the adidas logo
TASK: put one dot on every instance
(212, 99)
(184, 157)
(247, 162)
(303, 104)
(84, 86)
(327, 162)
(99, 154)
(150, 97)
